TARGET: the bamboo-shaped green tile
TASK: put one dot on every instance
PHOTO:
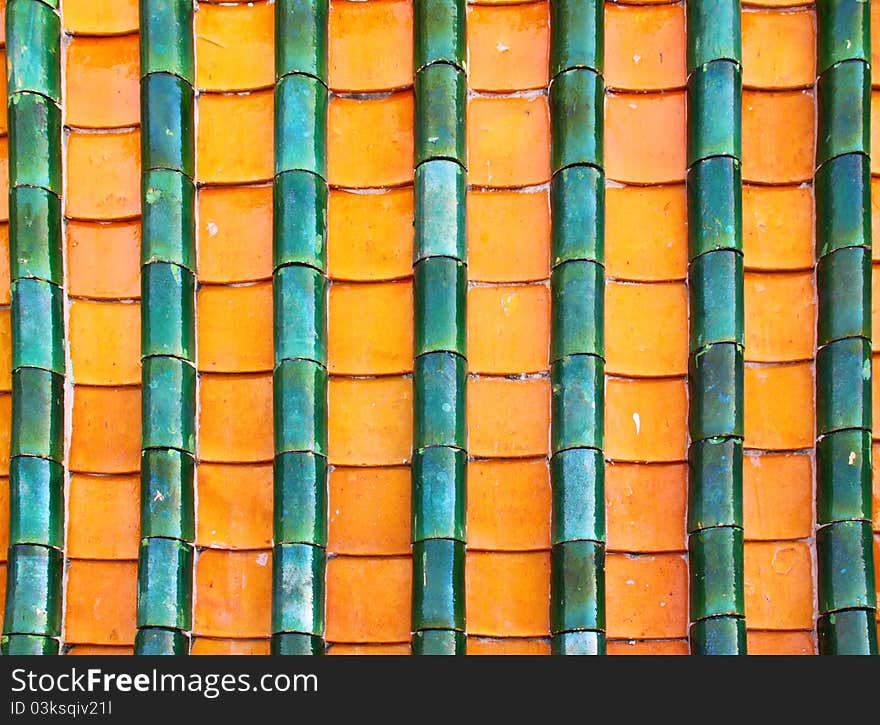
(300, 309)
(439, 458)
(846, 590)
(715, 368)
(32, 623)
(168, 287)
(577, 347)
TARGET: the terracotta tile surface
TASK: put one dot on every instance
(97, 649)
(101, 602)
(781, 643)
(100, 17)
(777, 227)
(648, 647)
(104, 259)
(103, 175)
(232, 590)
(777, 422)
(645, 420)
(211, 646)
(235, 418)
(102, 82)
(5, 430)
(4, 178)
(779, 48)
(507, 646)
(235, 328)
(780, 313)
(106, 427)
(777, 496)
(5, 350)
(103, 517)
(235, 506)
(778, 585)
(4, 517)
(777, 136)
(508, 418)
(105, 342)
(875, 449)
(369, 649)
(645, 47)
(235, 46)
(4, 264)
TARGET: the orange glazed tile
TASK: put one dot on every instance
(93, 649)
(370, 421)
(508, 329)
(634, 343)
(234, 138)
(508, 505)
(646, 420)
(4, 178)
(371, 235)
(235, 418)
(233, 594)
(105, 342)
(777, 136)
(875, 307)
(235, 506)
(779, 406)
(508, 236)
(771, 3)
(369, 511)
(875, 398)
(875, 132)
(875, 44)
(102, 82)
(508, 48)
(780, 316)
(103, 518)
(235, 328)
(371, 328)
(209, 646)
(875, 449)
(778, 227)
(647, 595)
(5, 431)
(371, 45)
(507, 646)
(778, 585)
(645, 47)
(777, 496)
(508, 594)
(4, 517)
(4, 264)
(508, 141)
(508, 418)
(370, 142)
(104, 175)
(780, 643)
(368, 599)
(646, 233)
(106, 427)
(4, 121)
(235, 234)
(101, 602)
(100, 17)
(648, 647)
(5, 350)
(235, 46)
(646, 506)
(369, 649)
(103, 260)
(2, 586)
(779, 49)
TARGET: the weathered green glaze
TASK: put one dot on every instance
(439, 642)
(851, 632)
(714, 206)
(843, 483)
(165, 569)
(293, 643)
(439, 384)
(166, 28)
(167, 125)
(301, 114)
(440, 188)
(577, 291)
(158, 641)
(583, 642)
(577, 403)
(168, 311)
(33, 591)
(713, 32)
(714, 94)
(715, 382)
(33, 47)
(29, 644)
(715, 558)
(300, 500)
(299, 221)
(439, 32)
(300, 314)
(720, 461)
(843, 279)
(168, 223)
(440, 300)
(439, 481)
(715, 283)
(34, 142)
(843, 203)
(168, 404)
(438, 564)
(843, 387)
(846, 581)
(577, 198)
(844, 32)
(35, 234)
(298, 591)
(844, 121)
(441, 101)
(577, 586)
(301, 38)
(300, 393)
(37, 414)
(577, 35)
(718, 636)
(36, 502)
(37, 317)
(578, 495)
(167, 508)
(576, 103)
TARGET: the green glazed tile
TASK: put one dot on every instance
(714, 128)
(168, 311)
(715, 286)
(843, 203)
(37, 316)
(577, 586)
(28, 644)
(439, 642)
(168, 401)
(37, 414)
(441, 101)
(438, 584)
(843, 385)
(298, 588)
(440, 292)
(293, 643)
(577, 204)
(301, 125)
(165, 573)
(844, 32)
(578, 643)
(168, 226)
(439, 485)
(35, 234)
(300, 394)
(158, 641)
(844, 284)
(300, 220)
(34, 142)
(843, 95)
(713, 32)
(576, 104)
(843, 483)
(577, 403)
(301, 37)
(167, 503)
(715, 560)
(166, 28)
(715, 474)
(300, 314)
(36, 502)
(33, 48)
(300, 499)
(578, 479)
(714, 189)
(846, 574)
(167, 124)
(33, 591)
(719, 636)
(439, 384)
(577, 35)
(715, 382)
(577, 325)
(440, 32)
(853, 632)
(440, 190)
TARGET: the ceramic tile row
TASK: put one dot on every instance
(5, 340)
(875, 294)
